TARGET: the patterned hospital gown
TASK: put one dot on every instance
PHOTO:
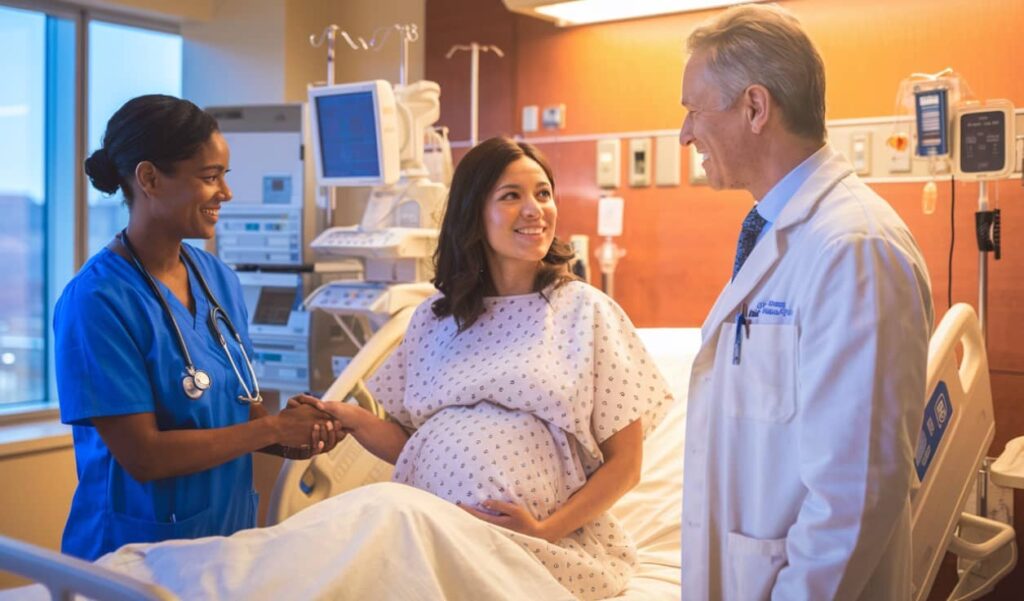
(514, 409)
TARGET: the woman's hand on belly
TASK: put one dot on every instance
(511, 516)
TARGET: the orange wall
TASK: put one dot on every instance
(625, 76)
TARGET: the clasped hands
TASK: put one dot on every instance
(306, 429)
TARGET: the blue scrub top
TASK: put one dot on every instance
(116, 354)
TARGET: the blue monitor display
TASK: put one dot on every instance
(348, 135)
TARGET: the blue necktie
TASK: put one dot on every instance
(752, 227)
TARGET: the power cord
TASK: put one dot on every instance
(952, 241)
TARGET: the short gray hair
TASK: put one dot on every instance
(765, 45)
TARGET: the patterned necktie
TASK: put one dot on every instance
(752, 227)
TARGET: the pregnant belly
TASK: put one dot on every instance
(475, 453)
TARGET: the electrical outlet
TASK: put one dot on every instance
(899, 161)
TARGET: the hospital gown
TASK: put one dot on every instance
(514, 409)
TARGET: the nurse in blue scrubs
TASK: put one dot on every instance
(165, 417)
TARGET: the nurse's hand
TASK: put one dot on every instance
(303, 426)
(511, 516)
(328, 432)
(346, 415)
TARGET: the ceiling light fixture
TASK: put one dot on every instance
(566, 13)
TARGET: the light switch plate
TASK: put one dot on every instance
(608, 162)
(666, 161)
(860, 152)
(609, 216)
(530, 117)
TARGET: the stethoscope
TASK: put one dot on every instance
(195, 382)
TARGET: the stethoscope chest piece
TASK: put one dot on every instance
(196, 383)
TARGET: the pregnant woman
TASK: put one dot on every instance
(519, 393)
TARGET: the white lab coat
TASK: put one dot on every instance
(799, 460)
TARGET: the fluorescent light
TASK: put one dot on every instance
(579, 12)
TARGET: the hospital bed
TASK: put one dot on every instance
(651, 512)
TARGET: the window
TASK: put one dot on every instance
(22, 203)
(124, 62)
(41, 181)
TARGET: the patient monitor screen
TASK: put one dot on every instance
(274, 306)
(347, 126)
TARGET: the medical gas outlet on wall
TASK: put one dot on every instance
(553, 117)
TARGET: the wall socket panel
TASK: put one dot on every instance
(640, 162)
(531, 117)
(666, 160)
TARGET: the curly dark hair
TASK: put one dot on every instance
(461, 273)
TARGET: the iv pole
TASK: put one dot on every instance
(474, 89)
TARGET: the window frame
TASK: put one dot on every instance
(81, 15)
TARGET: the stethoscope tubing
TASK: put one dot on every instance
(217, 314)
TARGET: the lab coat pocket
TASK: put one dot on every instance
(126, 529)
(753, 565)
(762, 386)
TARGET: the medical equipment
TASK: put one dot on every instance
(272, 216)
(195, 382)
(474, 82)
(984, 136)
(294, 348)
(264, 235)
(355, 134)
(929, 97)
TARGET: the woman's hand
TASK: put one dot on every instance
(303, 426)
(511, 516)
(346, 415)
(328, 431)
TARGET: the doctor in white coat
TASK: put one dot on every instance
(807, 395)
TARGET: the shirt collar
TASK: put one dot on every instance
(771, 205)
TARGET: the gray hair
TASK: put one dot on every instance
(766, 45)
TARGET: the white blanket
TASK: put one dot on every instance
(383, 541)
(392, 542)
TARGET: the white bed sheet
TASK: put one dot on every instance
(288, 562)
(652, 512)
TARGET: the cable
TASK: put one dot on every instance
(952, 241)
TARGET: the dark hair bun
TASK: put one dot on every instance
(102, 172)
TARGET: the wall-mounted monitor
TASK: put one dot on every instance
(355, 134)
